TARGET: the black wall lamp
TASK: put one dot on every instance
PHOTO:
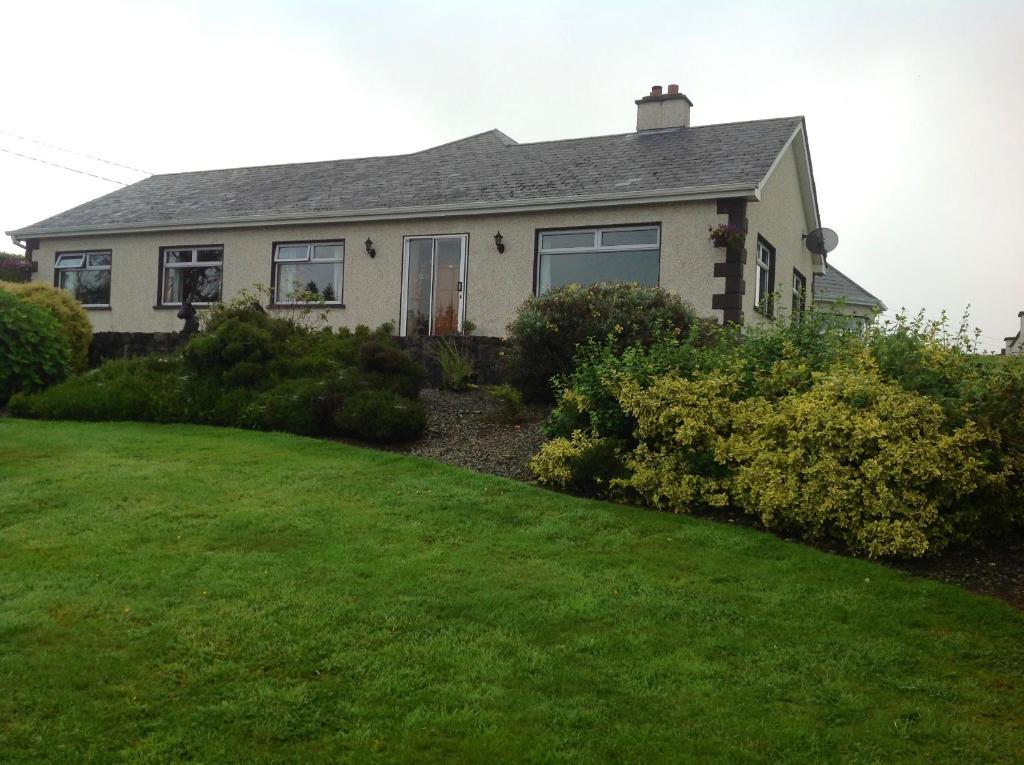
(498, 243)
(369, 248)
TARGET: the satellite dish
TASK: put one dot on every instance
(821, 241)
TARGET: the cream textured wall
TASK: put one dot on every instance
(780, 218)
(496, 284)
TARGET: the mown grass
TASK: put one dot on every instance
(175, 593)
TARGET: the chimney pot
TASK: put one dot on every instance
(673, 90)
(655, 90)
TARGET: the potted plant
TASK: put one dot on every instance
(726, 235)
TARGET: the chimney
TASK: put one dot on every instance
(663, 110)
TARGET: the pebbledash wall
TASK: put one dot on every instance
(496, 284)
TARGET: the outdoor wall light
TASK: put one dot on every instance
(369, 247)
(498, 243)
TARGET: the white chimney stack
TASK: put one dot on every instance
(663, 110)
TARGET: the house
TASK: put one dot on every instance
(1015, 344)
(465, 231)
(835, 292)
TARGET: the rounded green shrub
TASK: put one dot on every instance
(547, 330)
(74, 322)
(380, 415)
(33, 350)
(292, 406)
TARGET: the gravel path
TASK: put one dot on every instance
(461, 430)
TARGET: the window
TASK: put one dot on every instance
(305, 272)
(799, 293)
(598, 255)
(191, 272)
(765, 278)
(86, 275)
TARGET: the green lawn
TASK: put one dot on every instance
(175, 593)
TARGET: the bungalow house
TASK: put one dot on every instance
(461, 232)
(1015, 344)
(837, 293)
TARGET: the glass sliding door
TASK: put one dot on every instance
(433, 291)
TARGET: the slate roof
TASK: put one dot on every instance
(485, 169)
(835, 286)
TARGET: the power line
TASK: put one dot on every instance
(76, 153)
(62, 167)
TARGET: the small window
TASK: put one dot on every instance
(614, 255)
(86, 275)
(799, 293)
(193, 273)
(765, 278)
(309, 272)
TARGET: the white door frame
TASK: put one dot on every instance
(464, 256)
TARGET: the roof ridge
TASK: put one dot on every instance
(690, 129)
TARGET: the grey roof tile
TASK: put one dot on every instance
(485, 168)
(835, 286)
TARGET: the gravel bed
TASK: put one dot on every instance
(461, 430)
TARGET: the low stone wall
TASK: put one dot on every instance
(122, 345)
(487, 353)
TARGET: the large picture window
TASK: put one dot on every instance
(308, 272)
(589, 256)
(86, 275)
(765, 278)
(195, 273)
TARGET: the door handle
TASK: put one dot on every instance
(459, 287)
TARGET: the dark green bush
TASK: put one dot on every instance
(547, 330)
(34, 352)
(68, 312)
(150, 390)
(247, 369)
(292, 406)
(380, 415)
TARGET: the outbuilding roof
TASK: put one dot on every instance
(485, 172)
(833, 286)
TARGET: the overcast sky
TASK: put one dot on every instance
(915, 110)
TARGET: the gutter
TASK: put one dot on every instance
(719, 191)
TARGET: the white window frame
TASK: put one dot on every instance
(464, 238)
(194, 262)
(763, 261)
(799, 290)
(596, 246)
(339, 280)
(85, 255)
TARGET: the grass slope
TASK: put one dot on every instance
(174, 592)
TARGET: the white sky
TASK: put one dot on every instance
(914, 109)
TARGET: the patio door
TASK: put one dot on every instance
(434, 284)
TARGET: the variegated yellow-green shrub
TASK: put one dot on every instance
(582, 463)
(856, 458)
(682, 428)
